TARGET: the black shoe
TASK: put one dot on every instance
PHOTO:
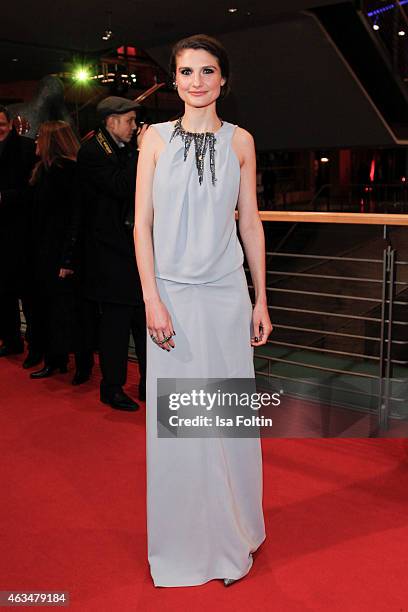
(32, 360)
(9, 349)
(48, 371)
(120, 401)
(81, 376)
(142, 391)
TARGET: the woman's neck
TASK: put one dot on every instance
(201, 119)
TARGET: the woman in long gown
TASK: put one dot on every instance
(204, 495)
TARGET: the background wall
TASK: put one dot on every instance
(292, 90)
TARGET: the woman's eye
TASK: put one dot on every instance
(208, 70)
(185, 71)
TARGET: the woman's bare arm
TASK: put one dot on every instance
(251, 232)
(158, 319)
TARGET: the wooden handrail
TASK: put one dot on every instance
(325, 217)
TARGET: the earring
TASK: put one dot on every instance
(174, 84)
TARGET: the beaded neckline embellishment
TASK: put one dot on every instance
(203, 142)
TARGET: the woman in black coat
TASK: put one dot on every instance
(54, 232)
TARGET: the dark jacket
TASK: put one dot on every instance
(55, 215)
(108, 175)
(17, 159)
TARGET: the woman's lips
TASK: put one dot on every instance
(197, 93)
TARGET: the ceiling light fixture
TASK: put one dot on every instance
(387, 7)
(401, 33)
(108, 33)
(81, 74)
(232, 10)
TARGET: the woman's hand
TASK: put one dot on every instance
(159, 324)
(64, 272)
(261, 323)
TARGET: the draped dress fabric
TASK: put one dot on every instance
(204, 495)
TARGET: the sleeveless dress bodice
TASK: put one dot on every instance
(194, 230)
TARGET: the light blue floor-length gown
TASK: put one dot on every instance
(204, 495)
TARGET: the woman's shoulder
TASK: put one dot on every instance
(156, 136)
(239, 134)
(162, 128)
(161, 123)
(64, 163)
(242, 136)
(69, 163)
(243, 144)
(63, 166)
(63, 169)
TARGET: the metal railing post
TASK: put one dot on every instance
(389, 365)
(382, 367)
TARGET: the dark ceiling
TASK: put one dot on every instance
(291, 86)
(37, 37)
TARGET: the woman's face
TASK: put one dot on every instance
(198, 77)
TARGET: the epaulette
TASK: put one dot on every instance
(101, 140)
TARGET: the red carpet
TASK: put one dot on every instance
(72, 512)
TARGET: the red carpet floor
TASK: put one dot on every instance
(72, 512)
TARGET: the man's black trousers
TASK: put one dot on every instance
(115, 323)
(10, 321)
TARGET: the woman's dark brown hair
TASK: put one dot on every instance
(56, 141)
(209, 44)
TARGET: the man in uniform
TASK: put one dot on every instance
(17, 158)
(107, 165)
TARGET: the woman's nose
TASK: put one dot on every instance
(196, 79)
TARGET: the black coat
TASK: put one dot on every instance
(108, 175)
(17, 159)
(55, 215)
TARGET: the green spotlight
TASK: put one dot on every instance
(81, 74)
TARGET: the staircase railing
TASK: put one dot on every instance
(345, 337)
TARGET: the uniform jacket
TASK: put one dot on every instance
(107, 177)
